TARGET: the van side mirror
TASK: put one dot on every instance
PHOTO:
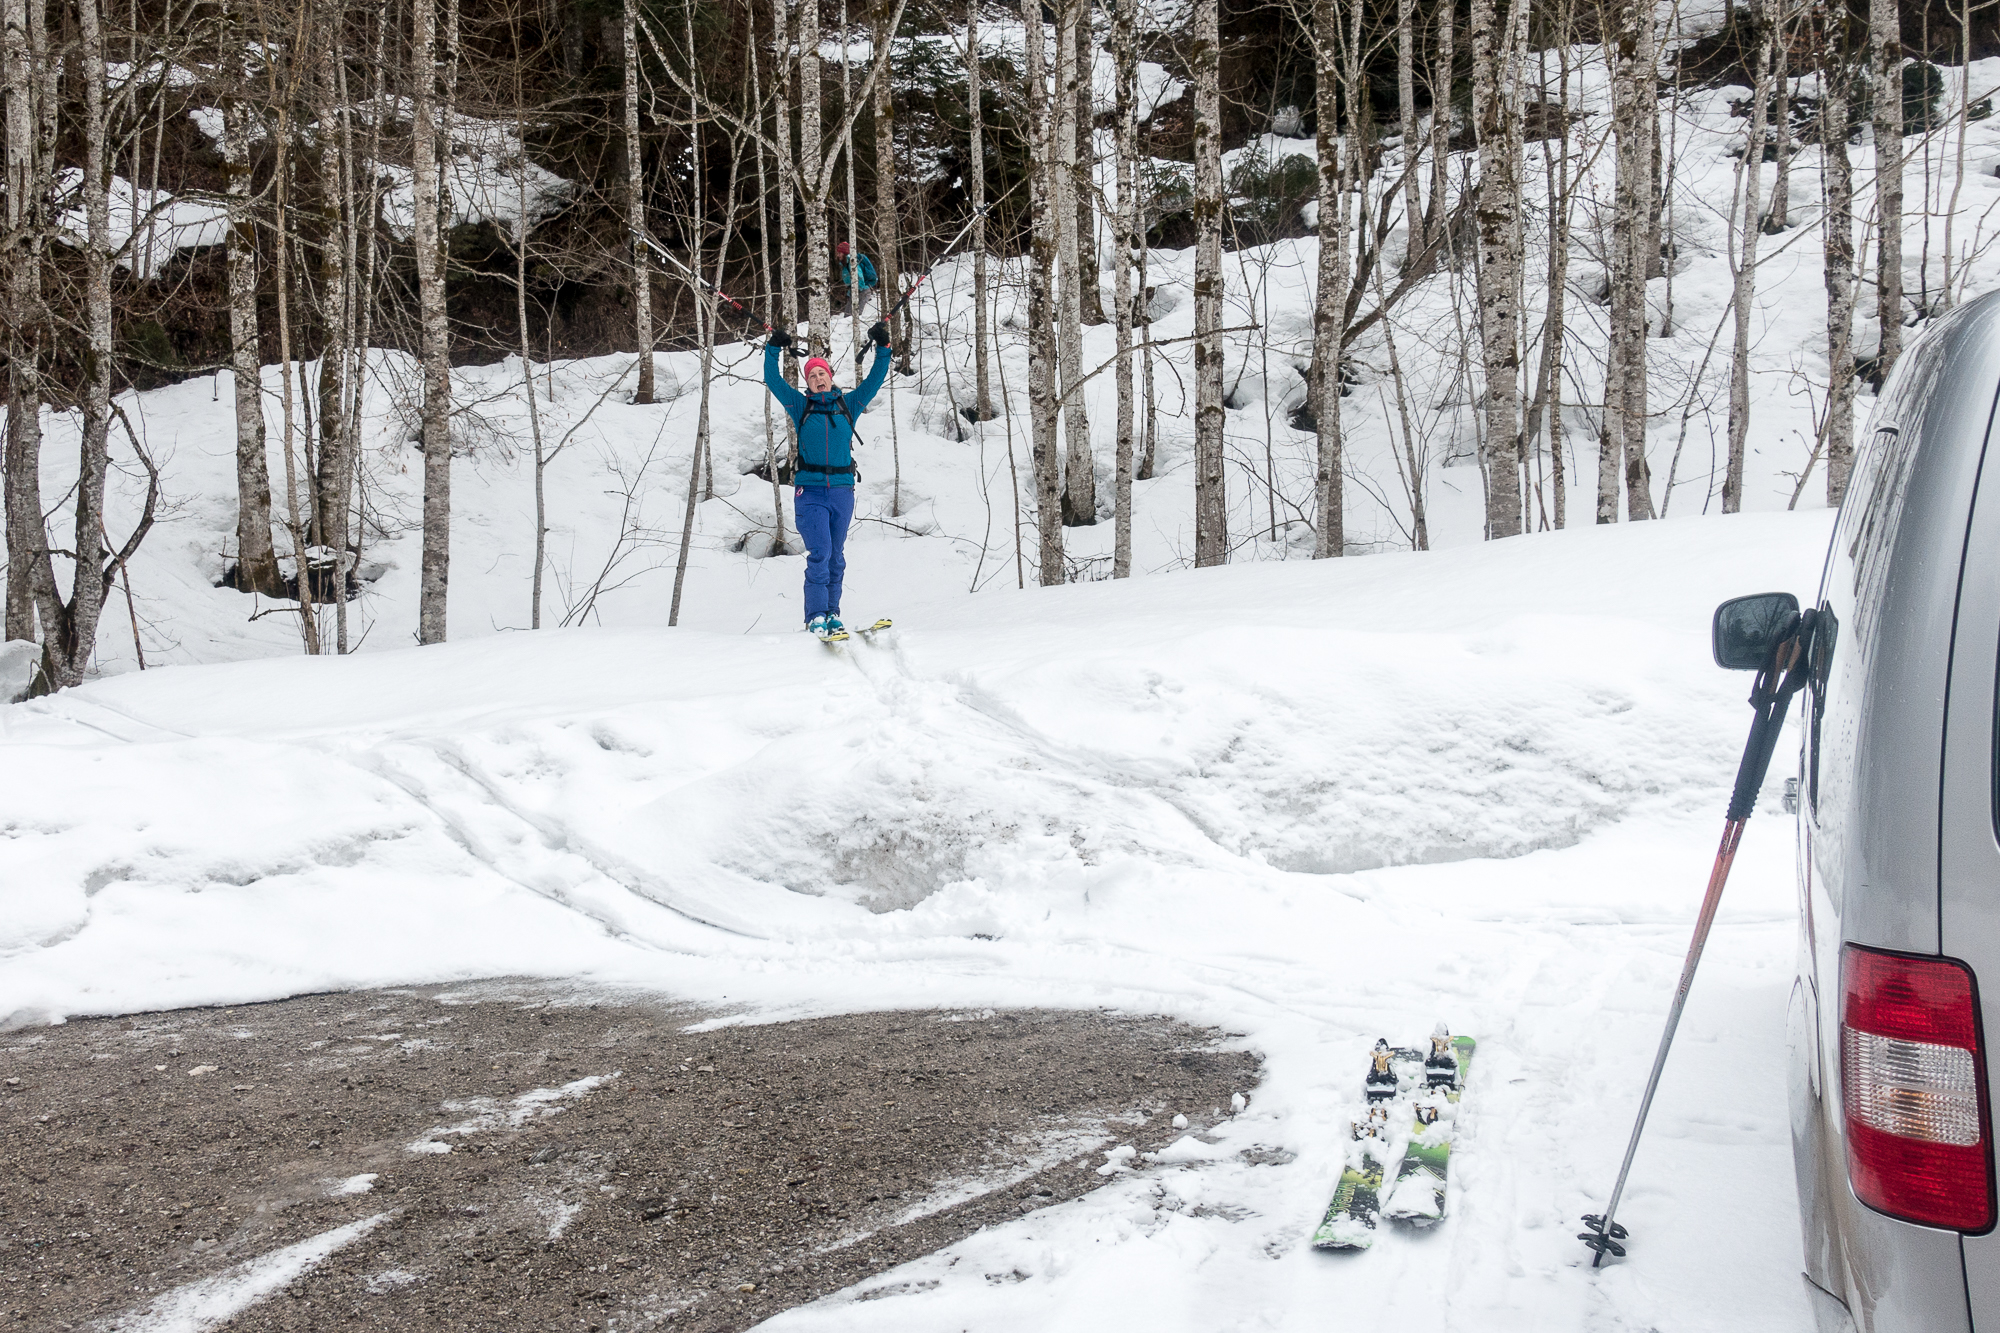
(1748, 628)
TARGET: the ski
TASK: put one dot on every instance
(1349, 1220)
(1418, 1194)
(871, 631)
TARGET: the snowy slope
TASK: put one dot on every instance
(1312, 803)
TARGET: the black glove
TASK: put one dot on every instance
(879, 331)
(779, 338)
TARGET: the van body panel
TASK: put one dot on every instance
(1876, 797)
(1891, 584)
(1968, 845)
(1903, 1278)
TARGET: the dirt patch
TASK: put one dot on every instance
(525, 1156)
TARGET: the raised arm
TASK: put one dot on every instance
(788, 397)
(864, 393)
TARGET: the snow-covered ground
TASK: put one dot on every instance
(1312, 803)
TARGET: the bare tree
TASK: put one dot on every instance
(1211, 498)
(70, 627)
(1125, 224)
(1079, 499)
(635, 207)
(1838, 231)
(1091, 302)
(1634, 251)
(1495, 72)
(1406, 106)
(1041, 312)
(1548, 400)
(435, 333)
(888, 235)
(1442, 72)
(1330, 303)
(814, 176)
(1744, 230)
(976, 169)
(25, 199)
(1777, 216)
(256, 558)
(787, 311)
(1885, 48)
(333, 227)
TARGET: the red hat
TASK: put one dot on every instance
(840, 249)
(819, 361)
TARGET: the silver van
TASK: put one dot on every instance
(1898, 799)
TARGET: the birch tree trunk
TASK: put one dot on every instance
(975, 113)
(888, 227)
(256, 558)
(1041, 311)
(1406, 105)
(1748, 230)
(1211, 499)
(71, 629)
(1885, 45)
(787, 312)
(1079, 499)
(1330, 302)
(21, 246)
(1777, 217)
(812, 184)
(635, 209)
(335, 461)
(434, 332)
(1091, 306)
(1499, 269)
(1635, 121)
(1124, 47)
(1549, 391)
(1838, 225)
(1443, 71)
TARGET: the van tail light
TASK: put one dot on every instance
(1913, 1087)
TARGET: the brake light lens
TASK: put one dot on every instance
(1913, 1088)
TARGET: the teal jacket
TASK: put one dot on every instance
(825, 421)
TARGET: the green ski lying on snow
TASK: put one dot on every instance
(1427, 1088)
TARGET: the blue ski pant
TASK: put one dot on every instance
(823, 513)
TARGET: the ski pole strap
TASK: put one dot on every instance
(1771, 698)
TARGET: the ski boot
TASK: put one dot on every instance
(1441, 1065)
(1380, 1085)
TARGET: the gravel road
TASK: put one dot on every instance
(519, 1155)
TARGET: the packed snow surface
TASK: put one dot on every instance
(1312, 803)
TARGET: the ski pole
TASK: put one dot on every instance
(1770, 697)
(706, 285)
(924, 277)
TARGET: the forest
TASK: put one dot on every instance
(344, 210)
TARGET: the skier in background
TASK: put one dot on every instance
(862, 278)
(823, 482)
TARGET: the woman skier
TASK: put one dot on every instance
(823, 483)
(854, 276)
